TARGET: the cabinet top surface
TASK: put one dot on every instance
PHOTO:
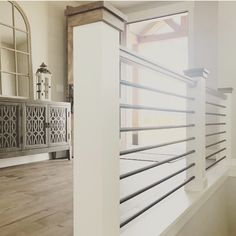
(23, 100)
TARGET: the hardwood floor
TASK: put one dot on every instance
(37, 199)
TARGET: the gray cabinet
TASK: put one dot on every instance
(58, 125)
(35, 132)
(10, 122)
(32, 127)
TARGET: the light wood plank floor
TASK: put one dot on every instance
(37, 199)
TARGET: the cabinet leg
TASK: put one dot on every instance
(54, 155)
(69, 154)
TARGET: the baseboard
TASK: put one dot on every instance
(13, 161)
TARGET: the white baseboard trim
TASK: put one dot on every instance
(13, 161)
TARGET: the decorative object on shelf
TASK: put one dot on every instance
(43, 83)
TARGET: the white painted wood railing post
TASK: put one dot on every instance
(228, 121)
(96, 39)
(198, 92)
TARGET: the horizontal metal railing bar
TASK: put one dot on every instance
(139, 86)
(220, 123)
(215, 162)
(214, 114)
(212, 134)
(216, 93)
(140, 107)
(214, 153)
(213, 144)
(133, 150)
(215, 104)
(134, 172)
(125, 222)
(136, 159)
(135, 194)
(133, 57)
(131, 129)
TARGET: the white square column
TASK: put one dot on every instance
(96, 129)
(96, 41)
(198, 118)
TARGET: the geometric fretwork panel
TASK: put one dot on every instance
(58, 125)
(35, 125)
(9, 136)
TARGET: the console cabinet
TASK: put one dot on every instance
(33, 127)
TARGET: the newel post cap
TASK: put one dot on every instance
(226, 90)
(197, 72)
(94, 12)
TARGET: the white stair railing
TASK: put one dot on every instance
(197, 138)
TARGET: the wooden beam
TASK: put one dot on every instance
(132, 38)
(184, 23)
(172, 24)
(154, 38)
(152, 27)
(95, 6)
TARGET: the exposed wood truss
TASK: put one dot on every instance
(149, 33)
(154, 38)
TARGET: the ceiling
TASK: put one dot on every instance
(127, 4)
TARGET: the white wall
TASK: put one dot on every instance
(226, 55)
(231, 205)
(204, 40)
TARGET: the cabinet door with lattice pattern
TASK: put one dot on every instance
(10, 130)
(58, 125)
(35, 126)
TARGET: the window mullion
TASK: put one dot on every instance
(15, 53)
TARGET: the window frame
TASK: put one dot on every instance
(15, 7)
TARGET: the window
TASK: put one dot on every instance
(15, 53)
(164, 39)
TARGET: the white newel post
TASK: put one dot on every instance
(228, 121)
(96, 37)
(198, 105)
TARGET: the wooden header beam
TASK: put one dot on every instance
(86, 14)
(94, 12)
